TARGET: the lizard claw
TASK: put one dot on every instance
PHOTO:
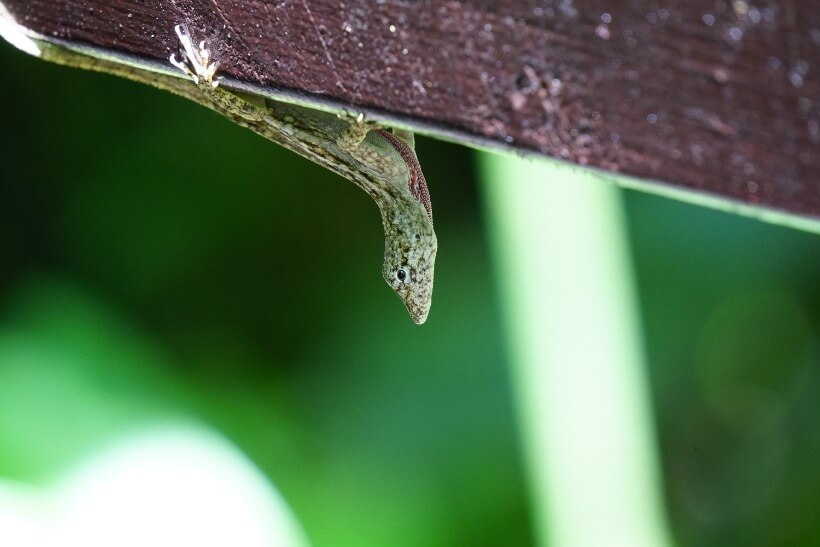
(195, 62)
(357, 119)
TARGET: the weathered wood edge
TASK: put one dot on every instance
(30, 41)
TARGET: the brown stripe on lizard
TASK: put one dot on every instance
(417, 183)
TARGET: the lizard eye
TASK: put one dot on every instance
(403, 275)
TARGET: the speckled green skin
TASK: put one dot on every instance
(352, 148)
(409, 244)
(349, 147)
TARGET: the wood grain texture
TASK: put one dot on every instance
(721, 97)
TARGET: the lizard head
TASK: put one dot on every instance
(409, 259)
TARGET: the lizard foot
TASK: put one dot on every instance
(359, 127)
(195, 61)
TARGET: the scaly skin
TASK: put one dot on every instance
(382, 163)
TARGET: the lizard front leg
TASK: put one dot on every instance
(196, 62)
(352, 141)
(352, 137)
(383, 164)
(405, 172)
(355, 134)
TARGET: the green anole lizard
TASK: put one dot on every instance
(381, 162)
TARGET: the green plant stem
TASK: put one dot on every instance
(573, 330)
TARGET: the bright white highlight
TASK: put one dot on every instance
(165, 488)
(16, 34)
(198, 59)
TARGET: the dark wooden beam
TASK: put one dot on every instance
(714, 96)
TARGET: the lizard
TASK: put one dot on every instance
(380, 161)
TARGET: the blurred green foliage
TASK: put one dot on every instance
(158, 263)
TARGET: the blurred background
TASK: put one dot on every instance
(160, 265)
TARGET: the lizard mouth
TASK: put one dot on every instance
(419, 318)
(418, 310)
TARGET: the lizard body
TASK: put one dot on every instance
(380, 162)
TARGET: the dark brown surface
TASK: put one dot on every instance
(718, 96)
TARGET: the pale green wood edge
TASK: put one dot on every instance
(35, 44)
